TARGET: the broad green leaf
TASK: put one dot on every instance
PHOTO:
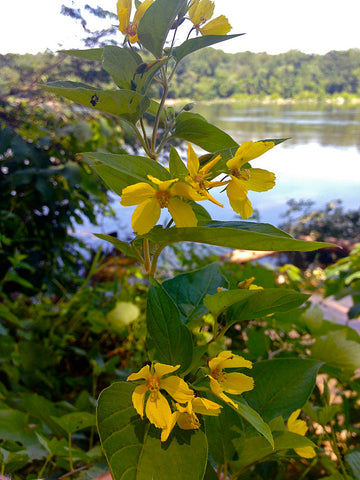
(119, 171)
(281, 386)
(14, 425)
(123, 247)
(253, 417)
(265, 302)
(126, 104)
(171, 339)
(352, 459)
(220, 301)
(176, 165)
(73, 422)
(242, 235)
(12, 461)
(337, 351)
(88, 54)
(133, 448)
(121, 64)
(189, 289)
(190, 46)
(194, 128)
(156, 24)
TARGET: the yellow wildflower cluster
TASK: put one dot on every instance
(147, 395)
(173, 194)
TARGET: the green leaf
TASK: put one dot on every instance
(156, 24)
(265, 302)
(123, 247)
(119, 171)
(14, 425)
(352, 459)
(202, 215)
(121, 64)
(194, 128)
(133, 448)
(176, 165)
(73, 422)
(220, 301)
(190, 46)
(336, 351)
(170, 337)
(88, 54)
(253, 417)
(242, 235)
(189, 289)
(126, 104)
(281, 386)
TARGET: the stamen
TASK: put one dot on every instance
(153, 384)
(163, 197)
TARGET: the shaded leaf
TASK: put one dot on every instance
(193, 44)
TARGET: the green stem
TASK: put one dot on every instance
(155, 258)
(158, 113)
(307, 470)
(71, 464)
(337, 452)
(47, 460)
(147, 261)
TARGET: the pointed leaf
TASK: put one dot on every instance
(190, 46)
(121, 64)
(196, 129)
(281, 386)
(133, 449)
(169, 336)
(176, 165)
(156, 24)
(88, 54)
(126, 104)
(123, 247)
(73, 422)
(242, 235)
(189, 289)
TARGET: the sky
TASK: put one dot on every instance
(277, 26)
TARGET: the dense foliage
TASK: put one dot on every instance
(211, 76)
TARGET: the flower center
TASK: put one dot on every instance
(153, 384)
(219, 375)
(132, 30)
(163, 197)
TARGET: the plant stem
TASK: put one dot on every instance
(158, 114)
(336, 450)
(47, 460)
(71, 464)
(155, 258)
(146, 251)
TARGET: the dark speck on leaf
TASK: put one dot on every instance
(94, 100)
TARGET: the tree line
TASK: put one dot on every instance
(205, 77)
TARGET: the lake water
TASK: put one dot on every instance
(320, 161)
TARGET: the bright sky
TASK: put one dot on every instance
(311, 26)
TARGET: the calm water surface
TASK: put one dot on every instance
(321, 160)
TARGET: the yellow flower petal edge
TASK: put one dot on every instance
(124, 12)
(298, 426)
(200, 12)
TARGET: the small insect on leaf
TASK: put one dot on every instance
(94, 100)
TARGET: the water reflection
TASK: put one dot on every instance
(327, 125)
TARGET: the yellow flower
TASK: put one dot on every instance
(157, 408)
(197, 176)
(299, 426)
(200, 12)
(124, 11)
(151, 200)
(234, 383)
(245, 179)
(186, 417)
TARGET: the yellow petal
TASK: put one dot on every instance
(206, 168)
(236, 192)
(188, 421)
(200, 11)
(305, 452)
(237, 383)
(141, 10)
(295, 425)
(230, 360)
(165, 432)
(182, 213)
(162, 369)
(162, 184)
(123, 11)
(158, 410)
(192, 162)
(144, 373)
(212, 199)
(137, 193)
(247, 152)
(217, 390)
(260, 180)
(206, 407)
(138, 398)
(218, 26)
(177, 388)
(145, 216)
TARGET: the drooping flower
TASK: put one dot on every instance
(124, 11)
(299, 426)
(234, 383)
(186, 417)
(200, 12)
(245, 179)
(150, 201)
(157, 408)
(197, 176)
